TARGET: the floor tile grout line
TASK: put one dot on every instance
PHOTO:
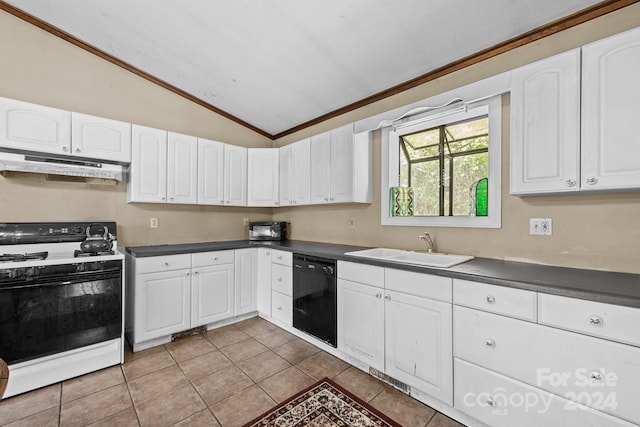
(133, 404)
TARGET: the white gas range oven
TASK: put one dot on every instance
(61, 293)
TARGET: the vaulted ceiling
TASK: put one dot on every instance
(280, 64)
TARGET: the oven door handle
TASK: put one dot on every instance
(62, 281)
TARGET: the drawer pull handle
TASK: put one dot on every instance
(491, 402)
(595, 376)
(490, 343)
(596, 320)
(490, 299)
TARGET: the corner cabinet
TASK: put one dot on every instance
(574, 120)
(337, 157)
(263, 177)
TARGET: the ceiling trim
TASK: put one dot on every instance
(18, 13)
(551, 28)
(584, 15)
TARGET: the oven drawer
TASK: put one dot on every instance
(561, 362)
(500, 401)
(495, 299)
(282, 257)
(204, 259)
(608, 321)
(162, 263)
(282, 279)
(282, 308)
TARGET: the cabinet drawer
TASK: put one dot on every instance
(419, 284)
(282, 279)
(564, 363)
(499, 401)
(282, 257)
(614, 322)
(282, 308)
(203, 259)
(495, 299)
(361, 273)
(162, 263)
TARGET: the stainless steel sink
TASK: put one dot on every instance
(413, 258)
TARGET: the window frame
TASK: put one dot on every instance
(390, 173)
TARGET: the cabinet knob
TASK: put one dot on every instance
(387, 297)
(326, 199)
(215, 258)
(295, 202)
(65, 149)
(166, 264)
(592, 180)
(490, 343)
(276, 203)
(188, 274)
(595, 376)
(171, 198)
(596, 320)
(490, 299)
(279, 307)
(491, 402)
(570, 182)
(78, 150)
(279, 279)
(290, 202)
(378, 295)
(163, 198)
(279, 257)
(332, 198)
(196, 272)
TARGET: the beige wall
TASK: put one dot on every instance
(40, 68)
(595, 231)
(590, 231)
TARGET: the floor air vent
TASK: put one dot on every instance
(390, 380)
(192, 331)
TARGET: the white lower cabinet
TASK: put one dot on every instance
(282, 308)
(212, 294)
(162, 304)
(264, 281)
(246, 280)
(406, 336)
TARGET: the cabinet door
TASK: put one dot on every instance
(212, 294)
(182, 168)
(235, 175)
(320, 168)
(286, 182)
(32, 127)
(263, 177)
(545, 125)
(210, 172)
(100, 138)
(361, 322)
(610, 111)
(148, 171)
(246, 280)
(418, 343)
(162, 304)
(302, 172)
(264, 281)
(341, 175)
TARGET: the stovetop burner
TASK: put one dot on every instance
(81, 254)
(23, 257)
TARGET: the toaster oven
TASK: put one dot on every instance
(268, 230)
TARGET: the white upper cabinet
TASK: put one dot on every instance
(235, 175)
(148, 171)
(210, 172)
(320, 168)
(610, 113)
(341, 176)
(31, 127)
(263, 177)
(182, 168)
(295, 173)
(100, 138)
(545, 125)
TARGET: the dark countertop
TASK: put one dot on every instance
(595, 285)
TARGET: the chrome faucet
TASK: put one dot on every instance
(429, 242)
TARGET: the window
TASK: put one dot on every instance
(450, 160)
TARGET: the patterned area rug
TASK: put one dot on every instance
(323, 404)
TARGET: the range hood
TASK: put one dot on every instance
(41, 163)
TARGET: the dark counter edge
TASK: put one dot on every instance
(594, 285)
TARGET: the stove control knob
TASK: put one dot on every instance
(80, 268)
(29, 272)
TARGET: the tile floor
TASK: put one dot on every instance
(224, 377)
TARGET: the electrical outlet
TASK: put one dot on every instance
(540, 226)
(352, 223)
(153, 222)
(245, 221)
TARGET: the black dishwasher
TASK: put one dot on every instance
(314, 297)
